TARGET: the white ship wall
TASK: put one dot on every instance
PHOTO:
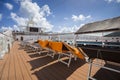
(5, 43)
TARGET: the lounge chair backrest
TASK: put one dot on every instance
(75, 51)
(40, 42)
(78, 53)
(56, 46)
(43, 44)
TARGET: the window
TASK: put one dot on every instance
(33, 29)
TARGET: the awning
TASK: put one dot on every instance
(112, 24)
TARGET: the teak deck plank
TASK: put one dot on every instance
(12, 72)
(26, 59)
(19, 65)
(5, 70)
(18, 69)
(23, 68)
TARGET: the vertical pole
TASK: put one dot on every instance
(102, 40)
(75, 38)
(90, 69)
(38, 36)
(59, 37)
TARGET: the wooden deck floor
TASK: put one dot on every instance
(19, 65)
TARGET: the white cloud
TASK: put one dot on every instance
(118, 1)
(6, 28)
(66, 29)
(81, 25)
(53, 16)
(45, 10)
(65, 18)
(14, 27)
(0, 16)
(17, 1)
(109, 1)
(19, 20)
(32, 10)
(9, 6)
(80, 17)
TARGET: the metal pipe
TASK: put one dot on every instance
(107, 68)
(90, 69)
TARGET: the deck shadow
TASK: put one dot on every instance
(41, 61)
(104, 74)
(20, 47)
(33, 55)
(58, 70)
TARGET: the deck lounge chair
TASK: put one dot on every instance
(60, 49)
(26, 45)
(100, 53)
(23, 44)
(64, 49)
(44, 46)
(34, 47)
(30, 46)
(74, 52)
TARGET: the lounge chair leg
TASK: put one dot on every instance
(53, 55)
(50, 54)
(75, 58)
(59, 57)
(39, 53)
(69, 60)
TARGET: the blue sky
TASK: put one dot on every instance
(56, 15)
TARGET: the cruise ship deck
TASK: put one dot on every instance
(19, 65)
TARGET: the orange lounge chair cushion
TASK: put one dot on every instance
(56, 46)
(43, 44)
(78, 53)
(75, 51)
